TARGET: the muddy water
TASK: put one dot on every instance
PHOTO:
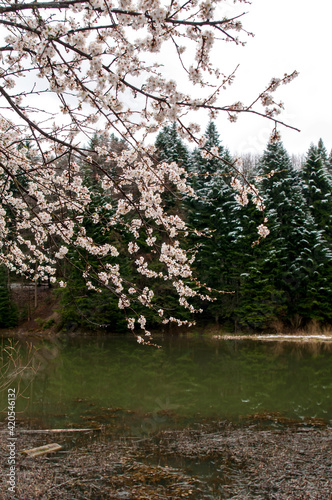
(140, 389)
(196, 419)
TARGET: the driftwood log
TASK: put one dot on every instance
(42, 450)
(45, 431)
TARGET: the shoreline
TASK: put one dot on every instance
(277, 337)
(208, 332)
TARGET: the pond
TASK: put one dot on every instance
(94, 381)
(196, 418)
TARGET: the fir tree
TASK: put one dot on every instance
(214, 213)
(299, 251)
(329, 166)
(317, 189)
(260, 302)
(8, 310)
(321, 150)
(83, 307)
(204, 168)
(170, 146)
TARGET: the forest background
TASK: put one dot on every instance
(281, 281)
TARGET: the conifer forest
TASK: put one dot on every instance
(254, 283)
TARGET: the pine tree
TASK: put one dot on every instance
(329, 166)
(317, 189)
(321, 150)
(260, 303)
(8, 310)
(170, 146)
(214, 213)
(299, 251)
(326, 158)
(204, 168)
(81, 306)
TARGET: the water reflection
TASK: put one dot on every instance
(107, 379)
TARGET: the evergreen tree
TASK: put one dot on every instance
(214, 213)
(170, 146)
(317, 190)
(329, 166)
(259, 301)
(204, 168)
(228, 260)
(326, 158)
(321, 150)
(81, 306)
(300, 255)
(8, 310)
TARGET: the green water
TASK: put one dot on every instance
(86, 382)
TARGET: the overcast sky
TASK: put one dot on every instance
(289, 35)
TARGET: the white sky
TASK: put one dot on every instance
(289, 35)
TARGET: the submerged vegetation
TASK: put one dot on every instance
(213, 461)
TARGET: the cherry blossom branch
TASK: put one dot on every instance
(96, 67)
